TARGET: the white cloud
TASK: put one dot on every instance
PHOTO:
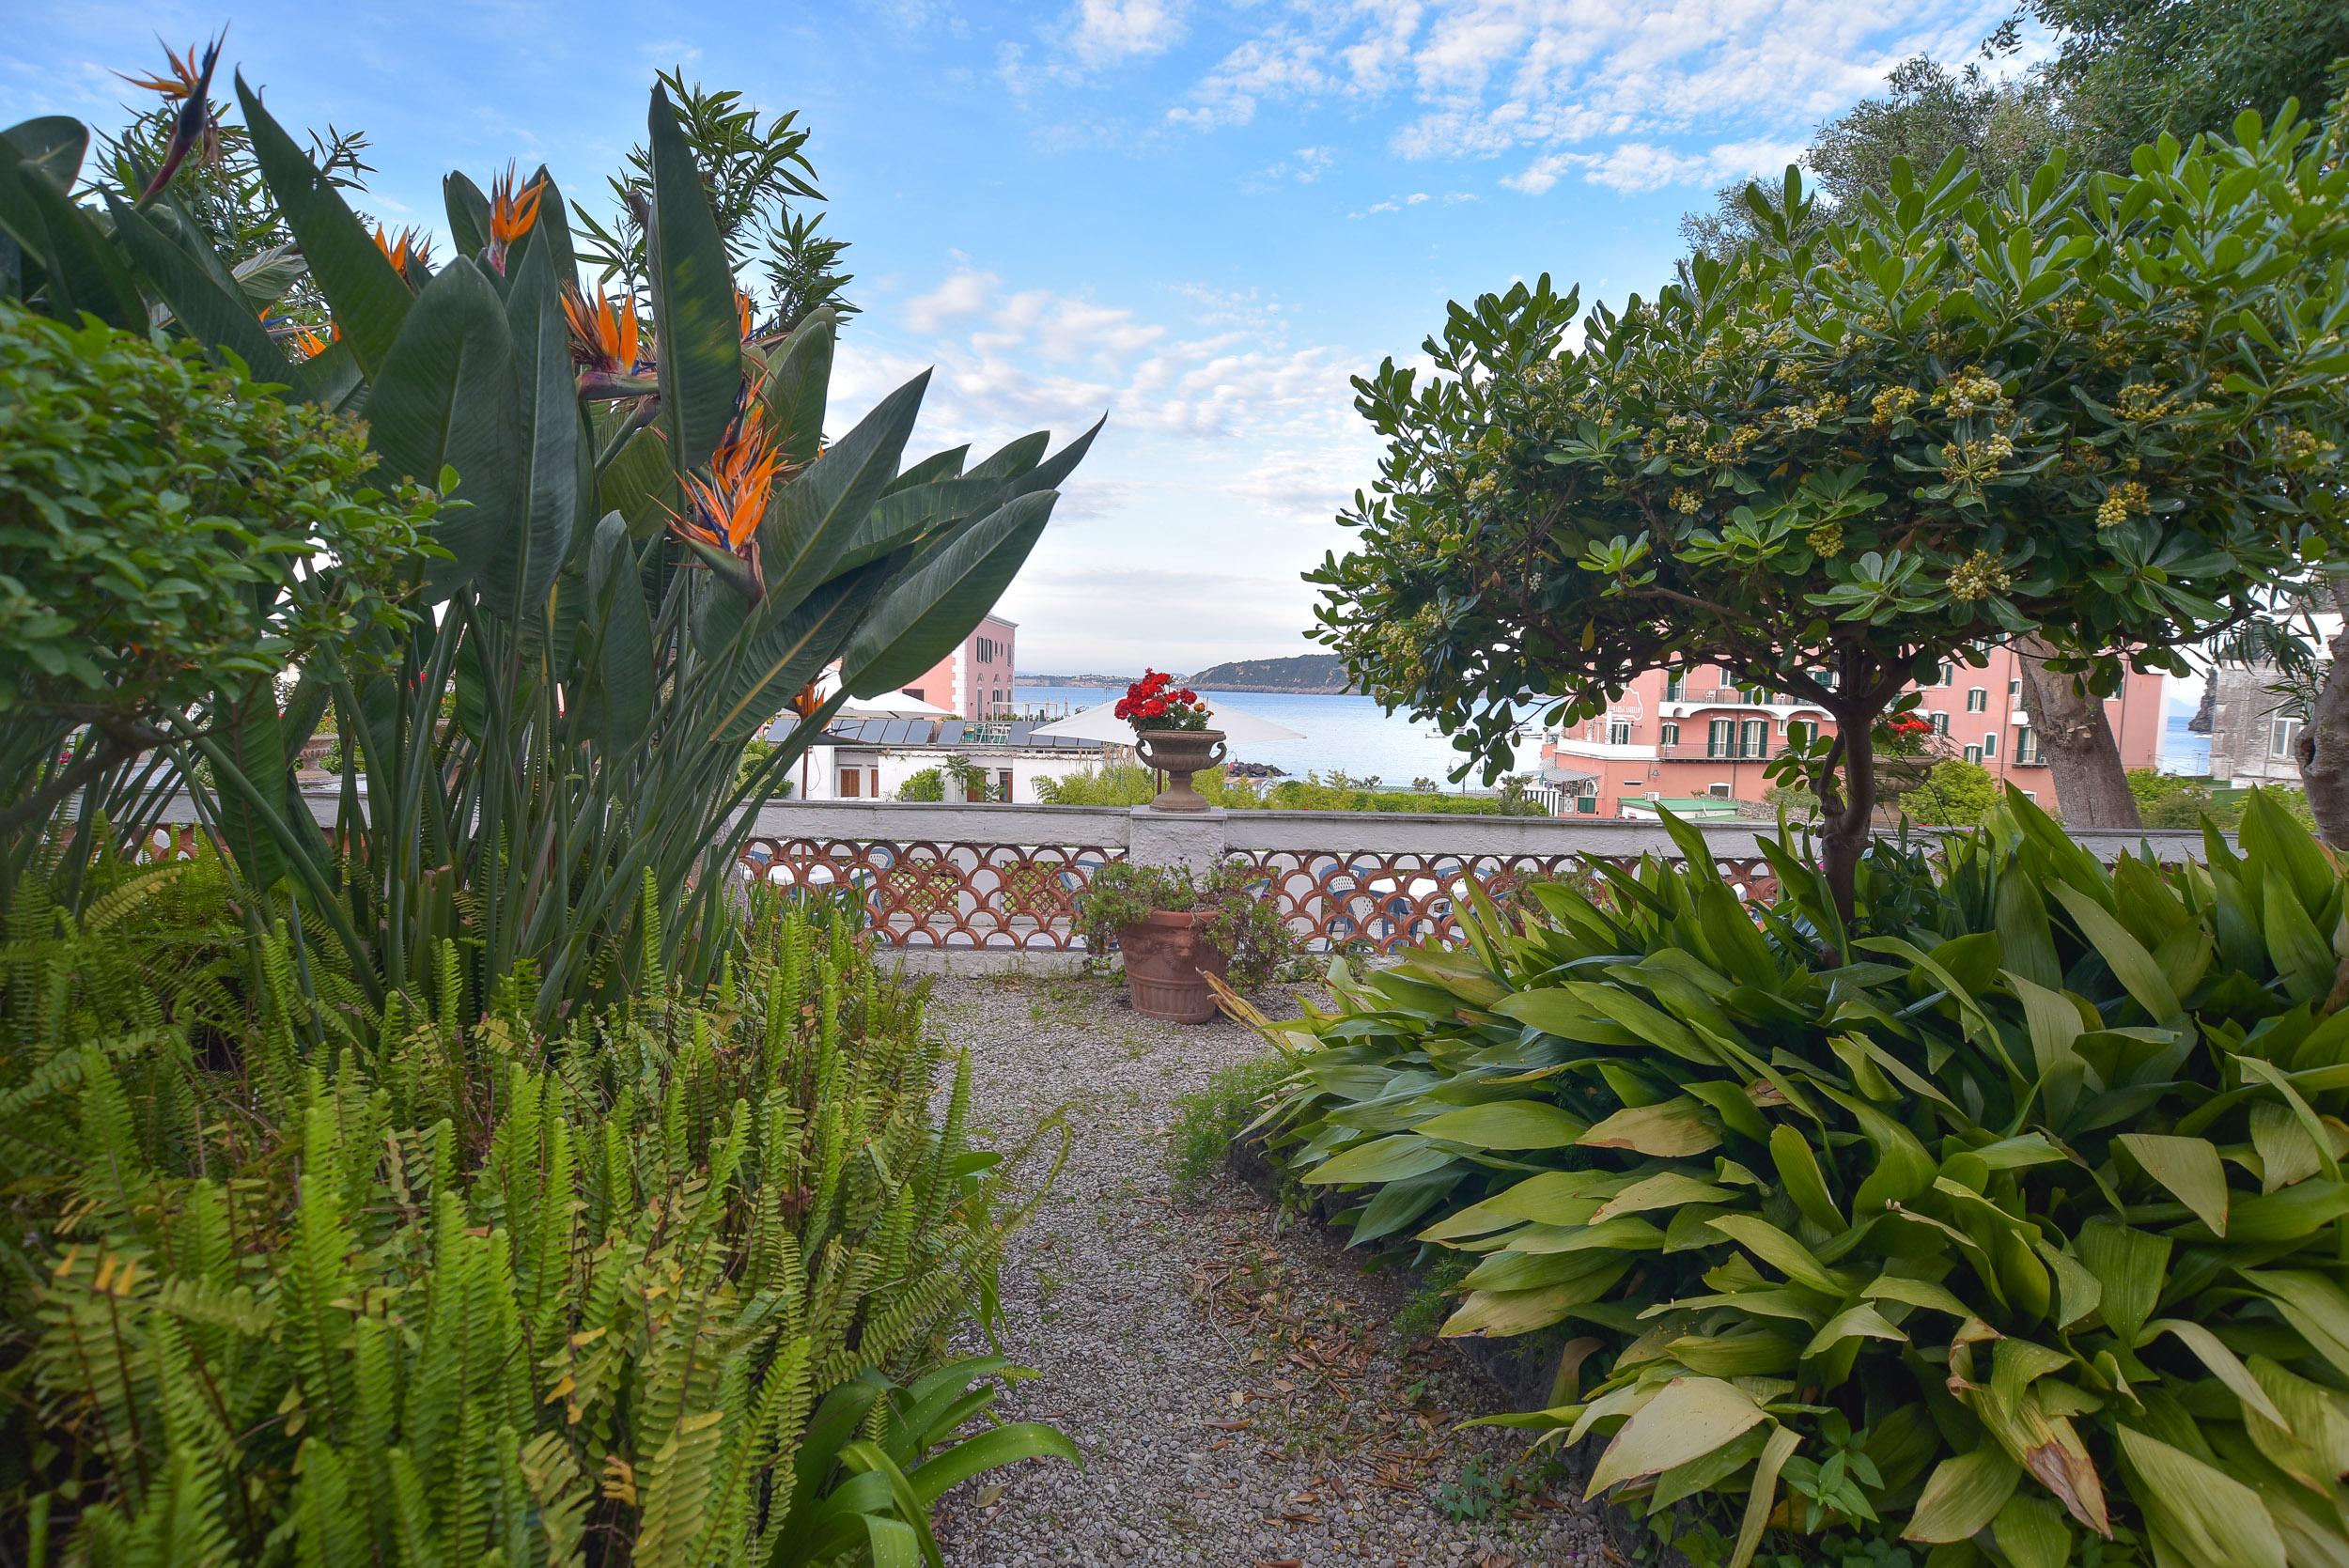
(962, 294)
(1605, 91)
(1106, 32)
(1634, 166)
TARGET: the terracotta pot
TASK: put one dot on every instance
(1179, 755)
(1167, 957)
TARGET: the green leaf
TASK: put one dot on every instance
(1781, 1251)
(2190, 1168)
(2211, 1519)
(799, 379)
(1008, 1444)
(52, 148)
(468, 213)
(622, 693)
(1763, 1493)
(80, 270)
(1394, 1157)
(638, 484)
(1688, 1418)
(1507, 1125)
(1798, 1172)
(2135, 967)
(692, 297)
(369, 298)
(2032, 1533)
(248, 732)
(1671, 1129)
(209, 314)
(934, 607)
(1666, 1189)
(800, 539)
(1963, 1494)
(549, 431)
(2131, 1265)
(445, 397)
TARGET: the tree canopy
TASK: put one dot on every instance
(1856, 445)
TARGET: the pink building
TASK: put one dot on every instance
(975, 679)
(1674, 738)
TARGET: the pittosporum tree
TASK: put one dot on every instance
(2103, 410)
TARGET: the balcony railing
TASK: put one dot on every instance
(1003, 879)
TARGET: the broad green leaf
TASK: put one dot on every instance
(1689, 1418)
(1855, 1322)
(248, 731)
(1397, 1156)
(1507, 1125)
(2315, 1306)
(1798, 1172)
(549, 430)
(2190, 1168)
(622, 692)
(1498, 1315)
(2131, 1267)
(1781, 1251)
(211, 315)
(2223, 1364)
(1664, 1190)
(798, 380)
(1669, 1130)
(2032, 1533)
(2216, 1520)
(1008, 1444)
(2135, 967)
(1763, 1493)
(2300, 955)
(934, 606)
(445, 398)
(692, 297)
(369, 298)
(81, 270)
(810, 519)
(1963, 1494)
(52, 148)
(638, 484)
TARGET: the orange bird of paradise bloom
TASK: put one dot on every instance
(729, 506)
(603, 333)
(512, 214)
(409, 244)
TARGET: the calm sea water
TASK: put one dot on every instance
(1349, 734)
(1345, 735)
(2182, 749)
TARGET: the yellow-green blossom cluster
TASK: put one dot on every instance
(1978, 576)
(2127, 498)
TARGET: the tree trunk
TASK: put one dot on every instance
(1848, 811)
(2325, 740)
(2076, 740)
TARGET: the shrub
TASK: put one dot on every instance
(1246, 928)
(1207, 1121)
(1954, 793)
(927, 783)
(670, 1284)
(2016, 1235)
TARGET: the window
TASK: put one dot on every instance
(1721, 738)
(1003, 783)
(1756, 694)
(915, 692)
(1719, 791)
(851, 781)
(1977, 700)
(1619, 731)
(1946, 673)
(2014, 688)
(1756, 739)
(1990, 743)
(2026, 746)
(1670, 732)
(1973, 753)
(1799, 731)
(2033, 796)
(1940, 721)
(2283, 737)
(1675, 685)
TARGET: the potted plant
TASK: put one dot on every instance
(1171, 734)
(1174, 929)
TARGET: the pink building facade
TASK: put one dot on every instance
(1698, 736)
(974, 680)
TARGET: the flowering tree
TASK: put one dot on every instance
(2103, 411)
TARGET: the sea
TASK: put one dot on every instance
(1348, 734)
(1351, 734)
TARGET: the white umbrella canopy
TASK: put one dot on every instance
(881, 704)
(1239, 726)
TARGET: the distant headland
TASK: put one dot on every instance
(1307, 674)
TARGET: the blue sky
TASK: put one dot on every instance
(1203, 218)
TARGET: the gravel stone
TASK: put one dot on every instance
(1234, 1383)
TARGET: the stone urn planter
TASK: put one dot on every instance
(1168, 958)
(1179, 755)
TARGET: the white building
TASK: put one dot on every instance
(870, 759)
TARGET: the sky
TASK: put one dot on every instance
(1201, 219)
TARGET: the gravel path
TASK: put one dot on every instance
(1236, 1388)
